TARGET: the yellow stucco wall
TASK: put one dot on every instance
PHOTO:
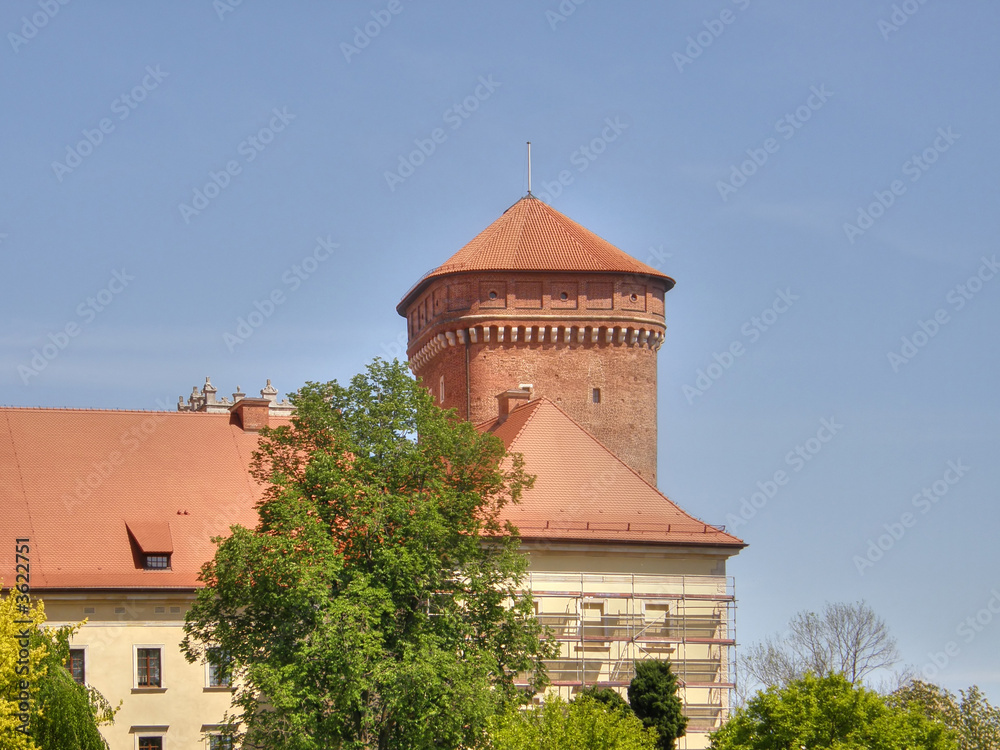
(633, 575)
(184, 705)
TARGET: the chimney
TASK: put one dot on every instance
(250, 413)
(520, 394)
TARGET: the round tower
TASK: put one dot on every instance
(536, 299)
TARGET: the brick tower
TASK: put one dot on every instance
(536, 299)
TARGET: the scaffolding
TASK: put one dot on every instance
(604, 623)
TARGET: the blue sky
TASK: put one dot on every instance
(819, 178)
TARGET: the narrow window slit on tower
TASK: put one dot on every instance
(597, 395)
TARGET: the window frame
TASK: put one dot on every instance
(69, 663)
(135, 665)
(140, 737)
(147, 557)
(228, 684)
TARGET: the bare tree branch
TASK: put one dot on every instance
(849, 639)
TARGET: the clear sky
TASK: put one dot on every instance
(819, 178)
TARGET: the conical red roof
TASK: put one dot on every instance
(533, 236)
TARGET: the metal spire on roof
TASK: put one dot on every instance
(529, 167)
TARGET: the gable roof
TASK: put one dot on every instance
(533, 236)
(584, 492)
(96, 490)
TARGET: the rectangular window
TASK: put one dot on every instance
(597, 395)
(658, 620)
(76, 665)
(157, 562)
(147, 667)
(218, 742)
(593, 621)
(150, 743)
(219, 669)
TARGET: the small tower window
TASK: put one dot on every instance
(597, 395)
(634, 298)
(493, 294)
(563, 296)
(441, 390)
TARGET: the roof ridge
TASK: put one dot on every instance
(14, 407)
(534, 403)
(561, 219)
(611, 453)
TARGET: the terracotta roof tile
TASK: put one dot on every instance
(533, 236)
(583, 491)
(71, 480)
(77, 482)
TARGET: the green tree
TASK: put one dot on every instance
(652, 694)
(973, 719)
(41, 706)
(584, 724)
(828, 712)
(377, 602)
(607, 696)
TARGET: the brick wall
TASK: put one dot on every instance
(565, 367)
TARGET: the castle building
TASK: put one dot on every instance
(538, 331)
(536, 298)
(546, 335)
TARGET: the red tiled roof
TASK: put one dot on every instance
(79, 483)
(75, 482)
(583, 491)
(533, 236)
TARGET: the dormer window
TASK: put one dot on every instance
(157, 562)
(151, 544)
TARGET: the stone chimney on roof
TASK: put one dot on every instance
(250, 413)
(519, 395)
